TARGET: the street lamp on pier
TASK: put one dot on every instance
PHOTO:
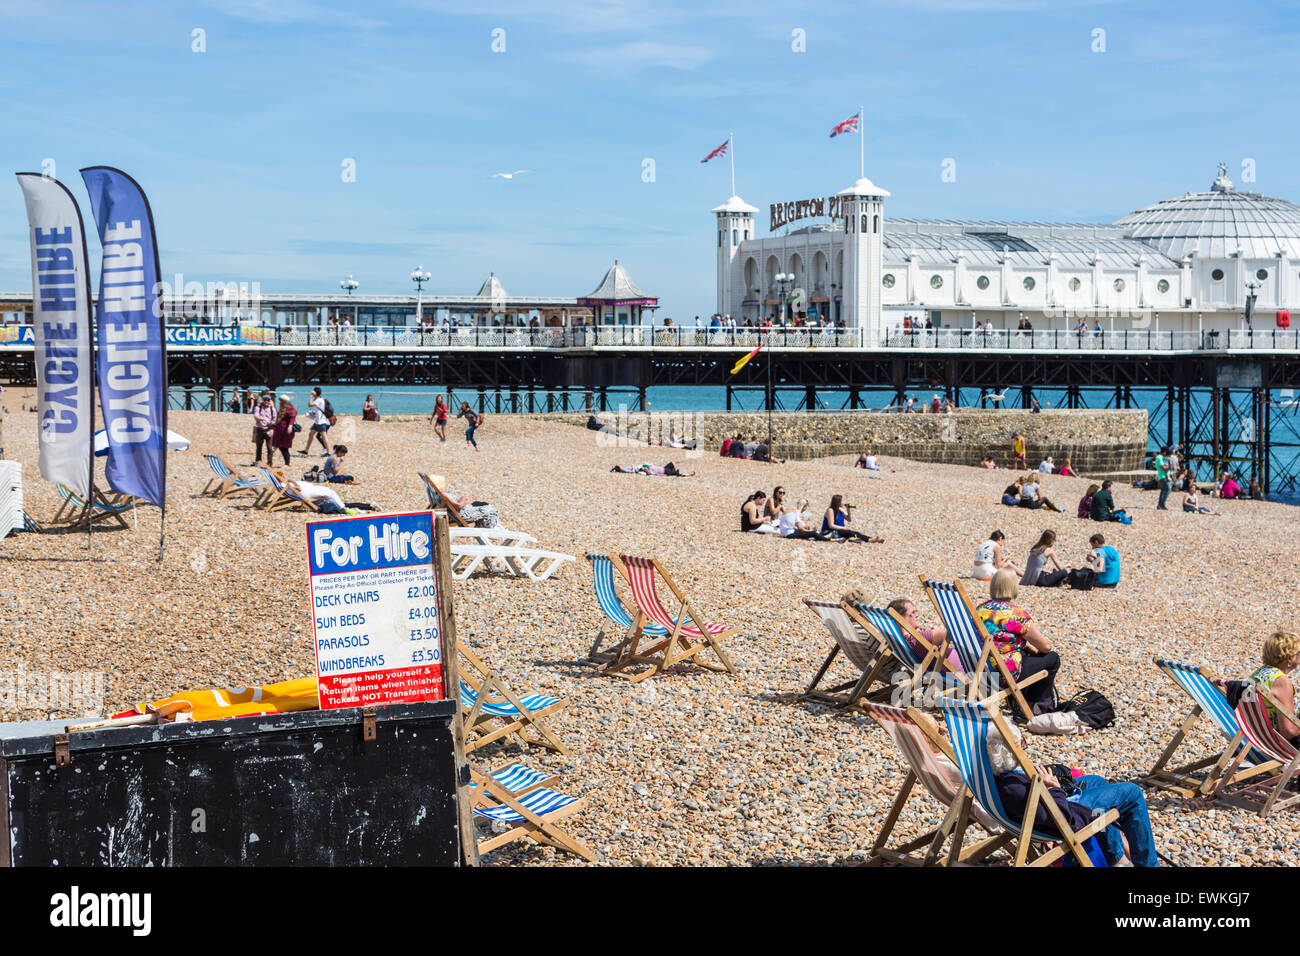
(419, 277)
(348, 285)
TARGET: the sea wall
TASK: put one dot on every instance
(1096, 441)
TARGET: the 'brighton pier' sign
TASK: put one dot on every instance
(784, 213)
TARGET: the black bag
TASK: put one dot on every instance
(296, 428)
(1083, 579)
(1063, 774)
(1092, 707)
(329, 409)
(1233, 691)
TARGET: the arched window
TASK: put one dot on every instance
(719, 238)
(875, 223)
(735, 236)
(864, 222)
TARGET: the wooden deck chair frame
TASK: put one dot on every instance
(1027, 852)
(663, 652)
(987, 655)
(76, 512)
(279, 499)
(877, 669)
(933, 654)
(226, 487)
(1208, 776)
(491, 727)
(927, 849)
(453, 513)
(609, 626)
(539, 829)
(1263, 796)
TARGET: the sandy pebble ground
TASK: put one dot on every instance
(690, 767)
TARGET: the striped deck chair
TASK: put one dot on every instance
(602, 574)
(861, 645)
(683, 643)
(279, 496)
(530, 814)
(440, 502)
(228, 482)
(923, 764)
(974, 646)
(492, 710)
(1205, 777)
(894, 630)
(1265, 796)
(31, 525)
(969, 726)
(77, 511)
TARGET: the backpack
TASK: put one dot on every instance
(1083, 579)
(329, 410)
(1092, 707)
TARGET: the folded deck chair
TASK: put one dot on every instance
(530, 814)
(1205, 777)
(228, 482)
(924, 766)
(30, 524)
(969, 725)
(602, 579)
(974, 645)
(895, 631)
(75, 510)
(1264, 796)
(682, 642)
(864, 648)
(492, 710)
(280, 496)
(440, 502)
(528, 563)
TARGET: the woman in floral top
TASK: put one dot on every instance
(1018, 641)
(1281, 656)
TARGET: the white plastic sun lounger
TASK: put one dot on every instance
(492, 537)
(521, 562)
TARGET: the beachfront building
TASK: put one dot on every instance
(1182, 264)
(618, 301)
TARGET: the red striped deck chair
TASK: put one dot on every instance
(688, 633)
(924, 766)
(1268, 795)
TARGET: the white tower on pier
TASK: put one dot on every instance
(735, 225)
(862, 206)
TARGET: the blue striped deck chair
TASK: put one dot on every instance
(602, 573)
(492, 710)
(974, 645)
(1205, 777)
(227, 482)
(527, 814)
(77, 511)
(894, 630)
(31, 525)
(970, 724)
(279, 495)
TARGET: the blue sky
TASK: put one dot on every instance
(241, 147)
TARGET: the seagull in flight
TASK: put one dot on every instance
(997, 396)
(509, 175)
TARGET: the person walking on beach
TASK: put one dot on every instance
(282, 432)
(439, 419)
(263, 421)
(1018, 451)
(473, 419)
(318, 413)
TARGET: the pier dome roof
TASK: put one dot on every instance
(1218, 223)
(492, 287)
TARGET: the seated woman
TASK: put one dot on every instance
(1023, 647)
(1085, 503)
(836, 520)
(751, 514)
(792, 524)
(933, 635)
(1281, 656)
(867, 460)
(1191, 504)
(1011, 493)
(332, 465)
(777, 505)
(1067, 469)
(1036, 573)
(990, 558)
(1031, 495)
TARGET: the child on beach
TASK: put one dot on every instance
(439, 419)
(473, 419)
(1190, 505)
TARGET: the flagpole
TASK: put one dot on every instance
(731, 151)
(771, 400)
(862, 148)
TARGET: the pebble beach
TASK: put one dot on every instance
(689, 767)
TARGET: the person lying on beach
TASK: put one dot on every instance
(326, 499)
(988, 462)
(1036, 573)
(478, 513)
(991, 557)
(1191, 505)
(1281, 656)
(669, 470)
(836, 520)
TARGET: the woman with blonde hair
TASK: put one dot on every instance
(1281, 656)
(1023, 647)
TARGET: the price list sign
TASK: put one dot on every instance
(375, 610)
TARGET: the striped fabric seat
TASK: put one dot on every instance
(503, 708)
(641, 578)
(283, 496)
(966, 634)
(860, 645)
(1209, 697)
(539, 802)
(1258, 728)
(227, 481)
(517, 777)
(889, 629)
(602, 573)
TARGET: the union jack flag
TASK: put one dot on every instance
(720, 151)
(850, 125)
